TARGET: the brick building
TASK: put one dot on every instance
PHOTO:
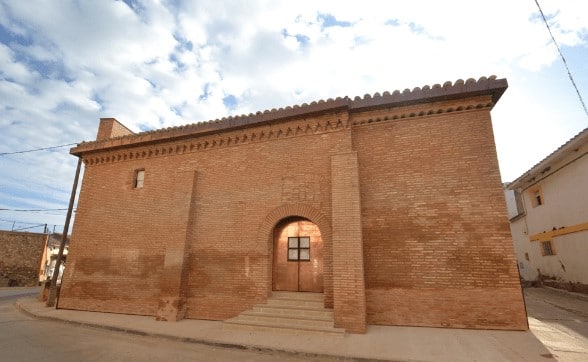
(389, 205)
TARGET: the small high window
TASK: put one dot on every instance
(299, 248)
(139, 179)
(536, 196)
(547, 248)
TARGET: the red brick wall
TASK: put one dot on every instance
(20, 258)
(436, 239)
(120, 235)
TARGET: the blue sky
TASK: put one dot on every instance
(154, 64)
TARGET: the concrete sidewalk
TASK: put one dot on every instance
(379, 343)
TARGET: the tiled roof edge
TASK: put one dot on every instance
(447, 91)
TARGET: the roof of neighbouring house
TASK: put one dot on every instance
(544, 166)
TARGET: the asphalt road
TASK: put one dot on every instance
(560, 322)
(23, 338)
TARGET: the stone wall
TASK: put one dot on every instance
(20, 258)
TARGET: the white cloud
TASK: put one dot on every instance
(63, 65)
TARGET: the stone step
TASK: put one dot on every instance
(286, 328)
(294, 311)
(285, 319)
(289, 311)
(298, 296)
(295, 303)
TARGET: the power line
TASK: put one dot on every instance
(19, 222)
(562, 58)
(37, 149)
(30, 227)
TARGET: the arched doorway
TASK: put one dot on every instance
(297, 256)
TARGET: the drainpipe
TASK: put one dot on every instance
(53, 291)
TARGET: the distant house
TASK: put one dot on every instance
(548, 210)
(50, 257)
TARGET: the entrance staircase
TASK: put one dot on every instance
(298, 312)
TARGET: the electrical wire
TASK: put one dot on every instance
(37, 149)
(19, 222)
(562, 58)
(30, 227)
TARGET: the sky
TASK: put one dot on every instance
(155, 64)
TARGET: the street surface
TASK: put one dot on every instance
(557, 319)
(560, 322)
(23, 338)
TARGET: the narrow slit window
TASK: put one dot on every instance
(299, 248)
(139, 179)
(536, 197)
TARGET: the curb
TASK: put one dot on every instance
(18, 296)
(19, 306)
(574, 295)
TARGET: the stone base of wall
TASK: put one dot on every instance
(17, 276)
(7, 282)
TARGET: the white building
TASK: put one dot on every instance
(49, 258)
(548, 210)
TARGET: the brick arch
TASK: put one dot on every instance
(266, 231)
(301, 210)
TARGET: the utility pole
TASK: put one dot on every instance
(53, 291)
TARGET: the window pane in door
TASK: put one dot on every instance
(305, 242)
(292, 243)
(293, 254)
(304, 254)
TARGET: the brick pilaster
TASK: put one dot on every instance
(172, 298)
(348, 272)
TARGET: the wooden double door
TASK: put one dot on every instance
(297, 257)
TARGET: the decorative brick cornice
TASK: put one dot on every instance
(176, 146)
(448, 91)
(431, 111)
